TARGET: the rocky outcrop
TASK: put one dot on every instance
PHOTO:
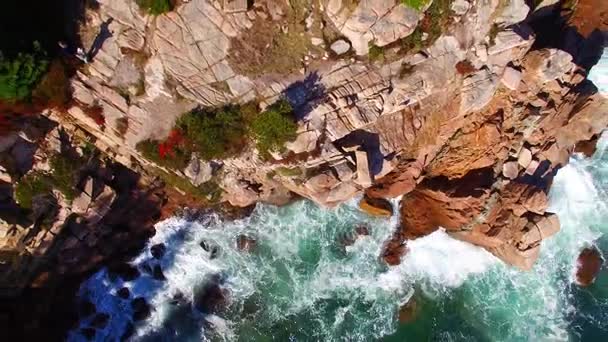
(476, 146)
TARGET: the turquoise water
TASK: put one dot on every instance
(302, 284)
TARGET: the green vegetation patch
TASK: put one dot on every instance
(415, 4)
(436, 19)
(33, 184)
(155, 7)
(375, 52)
(20, 75)
(208, 192)
(219, 133)
(64, 170)
(274, 127)
(289, 172)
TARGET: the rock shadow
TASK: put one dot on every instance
(368, 142)
(304, 95)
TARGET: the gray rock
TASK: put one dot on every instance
(460, 7)
(511, 78)
(513, 12)
(198, 171)
(340, 46)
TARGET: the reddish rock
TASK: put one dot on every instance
(589, 264)
(587, 147)
(376, 206)
(393, 251)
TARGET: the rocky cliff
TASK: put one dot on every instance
(464, 109)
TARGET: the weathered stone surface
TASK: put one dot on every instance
(376, 206)
(340, 47)
(513, 12)
(511, 78)
(198, 171)
(510, 170)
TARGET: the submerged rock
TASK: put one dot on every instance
(141, 309)
(407, 311)
(123, 293)
(124, 271)
(157, 273)
(210, 297)
(589, 264)
(158, 250)
(100, 320)
(245, 243)
(393, 252)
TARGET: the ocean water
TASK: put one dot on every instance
(300, 283)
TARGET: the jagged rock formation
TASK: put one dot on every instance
(476, 145)
(469, 130)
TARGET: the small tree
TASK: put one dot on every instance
(274, 127)
(19, 75)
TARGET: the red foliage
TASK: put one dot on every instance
(167, 147)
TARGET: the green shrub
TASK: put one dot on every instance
(33, 184)
(289, 172)
(436, 19)
(415, 4)
(217, 133)
(64, 170)
(375, 52)
(274, 127)
(155, 7)
(19, 75)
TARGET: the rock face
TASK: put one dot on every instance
(473, 152)
(588, 265)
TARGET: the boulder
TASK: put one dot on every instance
(198, 171)
(511, 78)
(525, 158)
(340, 47)
(510, 170)
(588, 265)
(393, 251)
(376, 206)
